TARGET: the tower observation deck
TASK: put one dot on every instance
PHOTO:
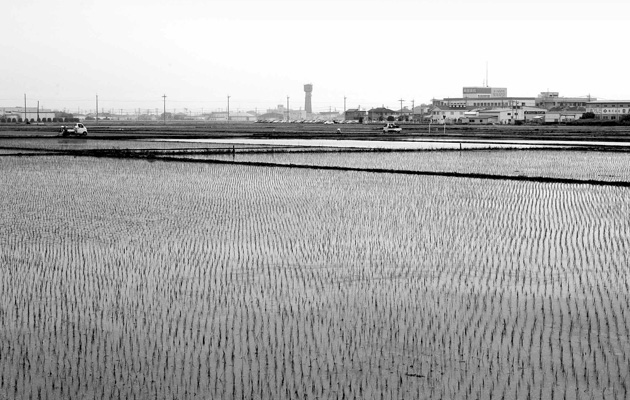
(308, 89)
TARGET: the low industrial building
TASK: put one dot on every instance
(222, 116)
(502, 102)
(449, 115)
(534, 114)
(32, 114)
(485, 97)
(506, 115)
(609, 109)
(270, 116)
(481, 120)
(480, 92)
(494, 116)
(287, 115)
(551, 100)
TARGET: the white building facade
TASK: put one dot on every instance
(480, 92)
(609, 109)
(486, 102)
(32, 114)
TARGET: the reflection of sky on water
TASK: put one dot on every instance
(375, 144)
(533, 142)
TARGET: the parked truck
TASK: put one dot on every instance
(76, 130)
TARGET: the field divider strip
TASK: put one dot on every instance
(17, 154)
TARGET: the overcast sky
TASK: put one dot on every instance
(373, 52)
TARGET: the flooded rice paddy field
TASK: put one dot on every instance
(382, 143)
(130, 279)
(89, 143)
(580, 165)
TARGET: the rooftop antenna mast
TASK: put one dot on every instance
(486, 73)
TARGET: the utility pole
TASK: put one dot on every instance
(25, 119)
(228, 109)
(37, 110)
(164, 113)
(344, 107)
(413, 108)
(288, 112)
(401, 109)
(97, 108)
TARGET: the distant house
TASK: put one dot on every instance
(242, 117)
(329, 116)
(422, 112)
(551, 117)
(222, 116)
(355, 114)
(405, 114)
(502, 115)
(380, 114)
(450, 115)
(568, 113)
(271, 116)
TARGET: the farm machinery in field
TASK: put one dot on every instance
(76, 130)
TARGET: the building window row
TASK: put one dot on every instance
(611, 105)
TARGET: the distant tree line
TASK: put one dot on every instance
(588, 118)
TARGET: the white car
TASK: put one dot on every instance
(392, 128)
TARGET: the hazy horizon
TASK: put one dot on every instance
(374, 53)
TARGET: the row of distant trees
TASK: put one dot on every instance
(391, 118)
(588, 118)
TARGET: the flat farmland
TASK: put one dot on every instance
(606, 166)
(122, 278)
(206, 129)
(54, 143)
